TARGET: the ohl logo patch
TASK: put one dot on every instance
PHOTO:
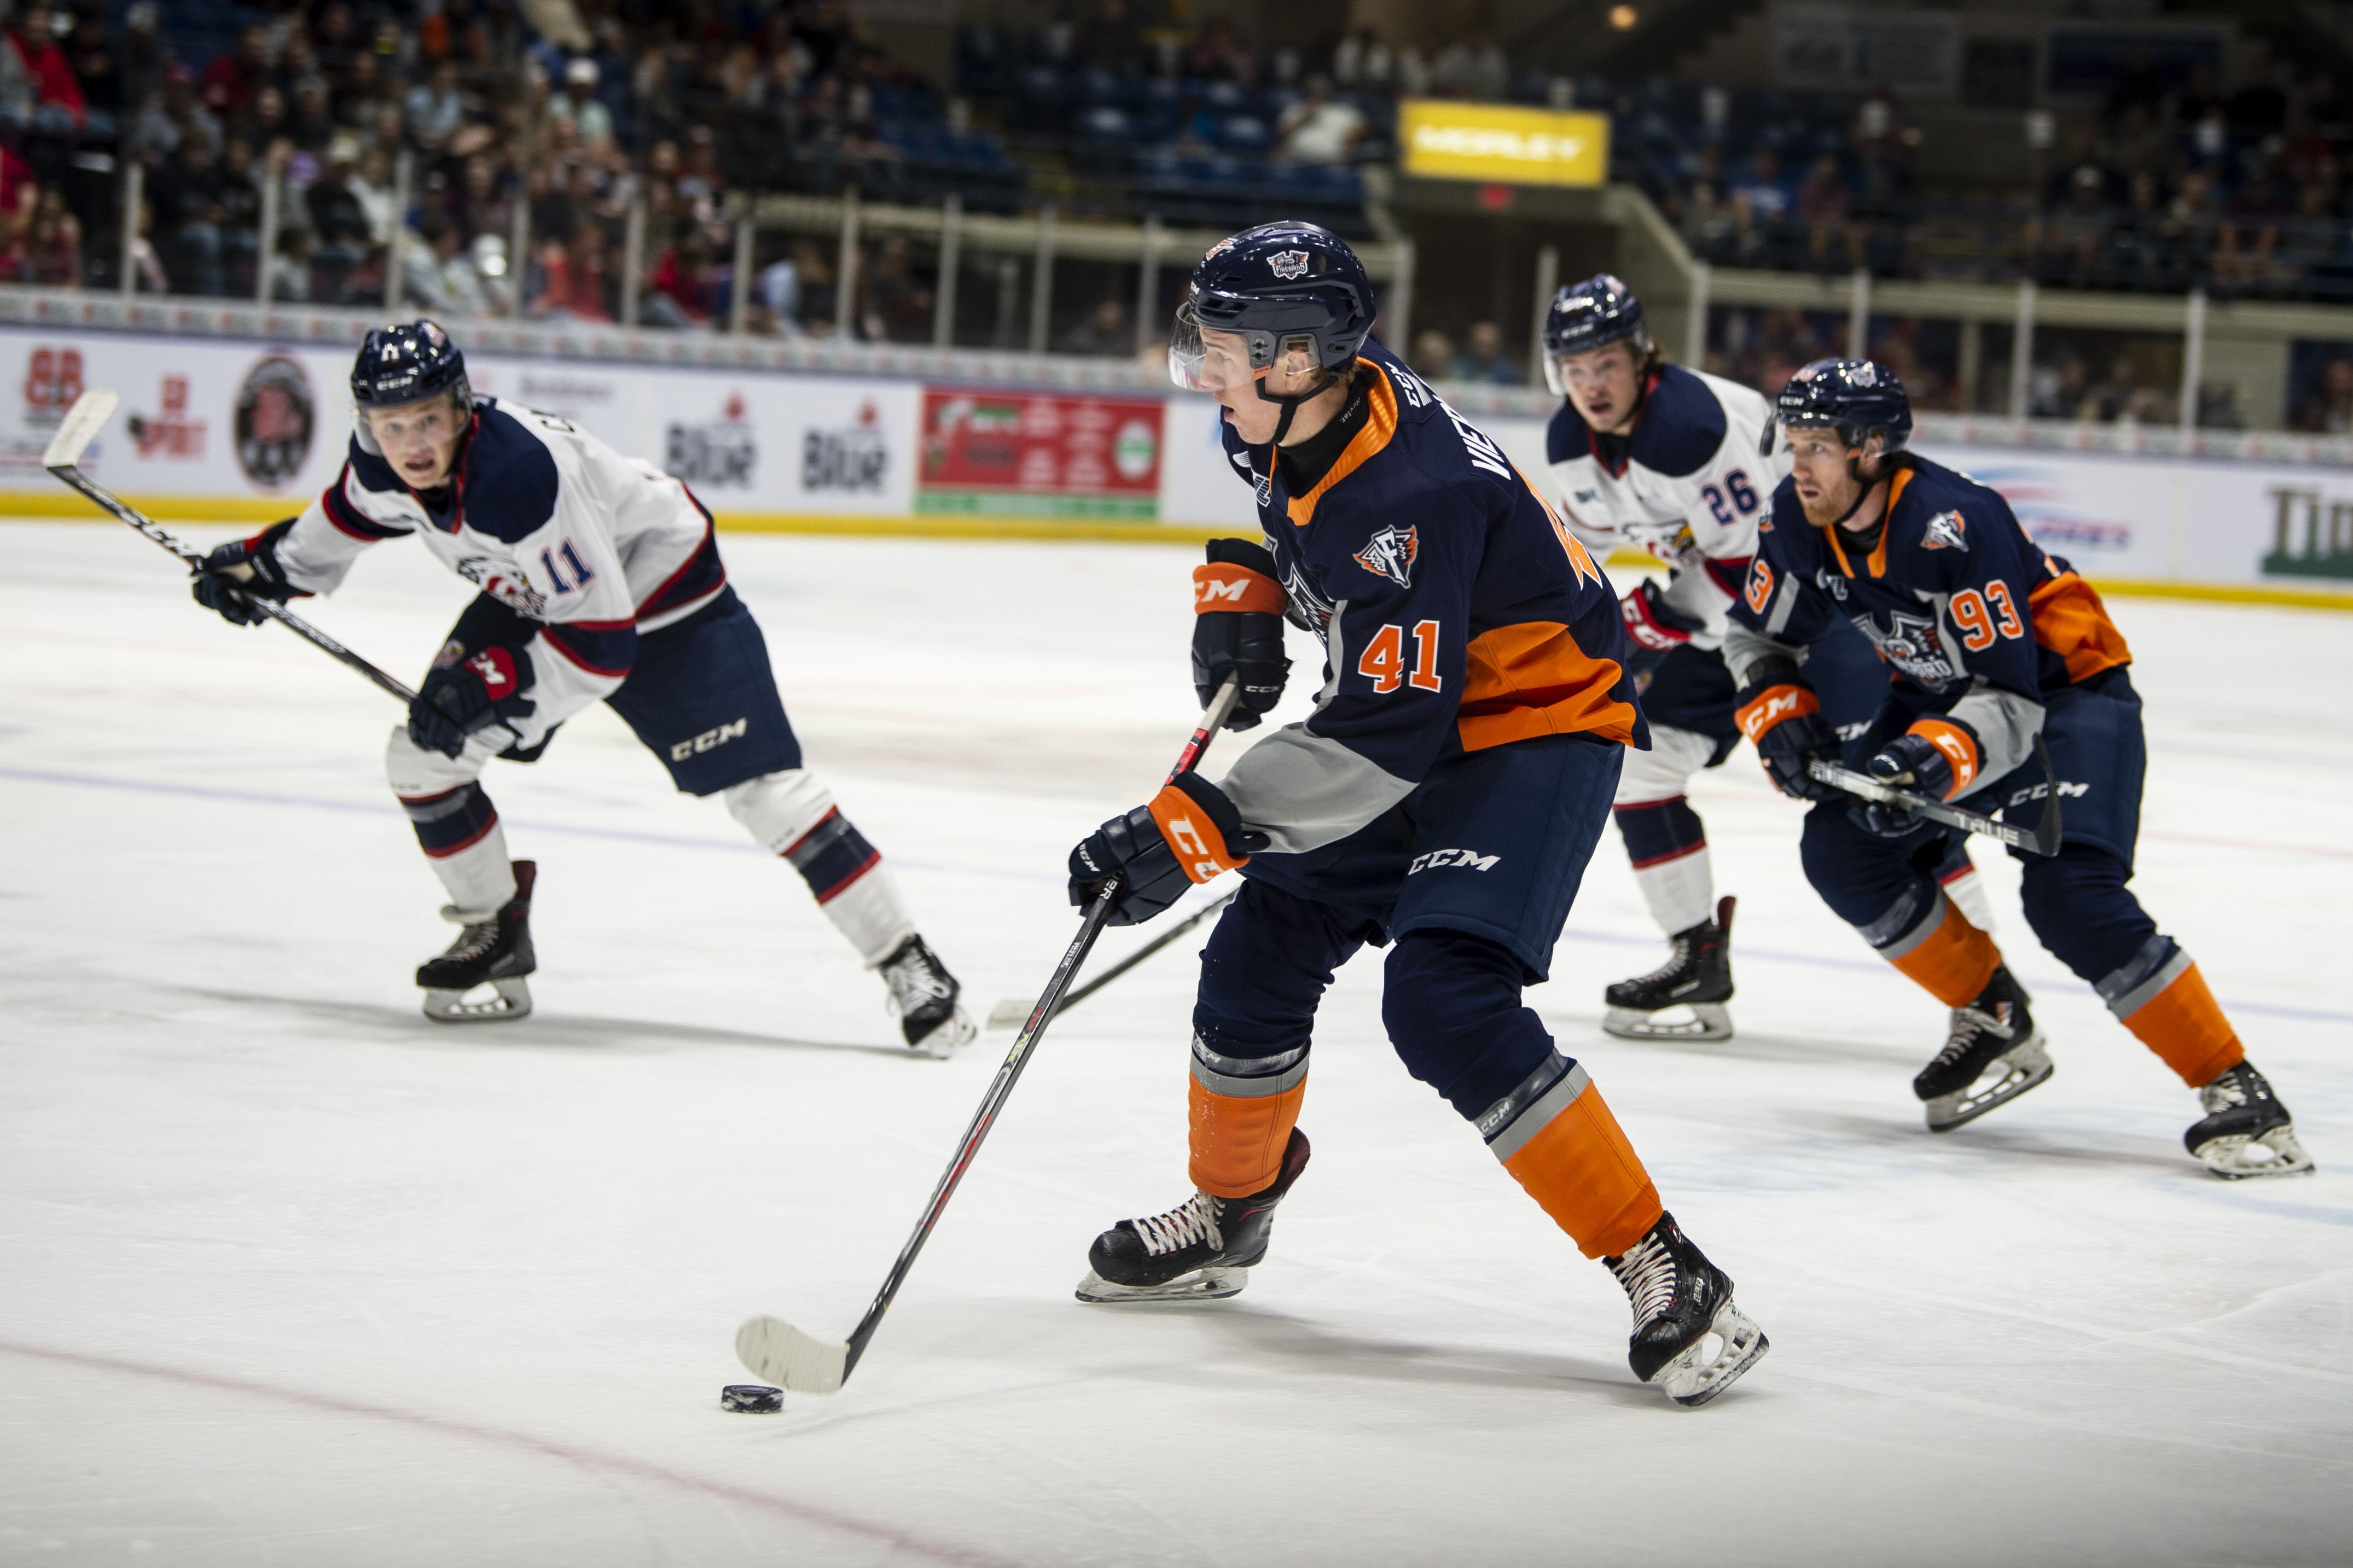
(1946, 531)
(1391, 554)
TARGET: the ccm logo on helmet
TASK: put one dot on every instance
(708, 739)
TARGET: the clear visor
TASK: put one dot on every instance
(457, 402)
(1553, 378)
(1185, 350)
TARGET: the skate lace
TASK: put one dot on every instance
(2225, 1094)
(1677, 955)
(1195, 1219)
(1967, 1023)
(477, 938)
(1648, 1273)
(913, 982)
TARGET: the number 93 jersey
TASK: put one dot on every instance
(1457, 613)
(1685, 484)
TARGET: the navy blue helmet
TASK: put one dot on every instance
(1277, 285)
(1856, 397)
(407, 362)
(1601, 310)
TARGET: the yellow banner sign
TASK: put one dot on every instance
(1449, 141)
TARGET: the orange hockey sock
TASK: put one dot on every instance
(1238, 1140)
(2184, 1025)
(1580, 1170)
(1952, 962)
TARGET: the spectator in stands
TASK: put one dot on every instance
(371, 186)
(576, 286)
(1473, 66)
(2063, 396)
(1482, 360)
(342, 236)
(1103, 334)
(437, 273)
(1433, 354)
(309, 123)
(57, 100)
(139, 60)
(2329, 411)
(235, 79)
(1821, 206)
(1319, 129)
(897, 310)
(52, 251)
(186, 197)
(436, 108)
(578, 106)
(237, 194)
(2066, 245)
(289, 267)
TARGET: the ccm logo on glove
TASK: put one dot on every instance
(1772, 705)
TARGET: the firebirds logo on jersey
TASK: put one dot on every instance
(1288, 265)
(1391, 554)
(1946, 531)
(1910, 643)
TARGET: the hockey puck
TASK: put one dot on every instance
(751, 1399)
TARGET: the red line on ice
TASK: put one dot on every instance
(587, 1458)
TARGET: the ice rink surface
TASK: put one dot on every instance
(290, 1276)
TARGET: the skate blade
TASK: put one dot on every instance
(2005, 1077)
(1201, 1285)
(775, 1350)
(950, 1036)
(1708, 1021)
(2274, 1153)
(508, 998)
(1711, 1364)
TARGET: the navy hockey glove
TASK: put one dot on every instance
(1653, 625)
(1189, 834)
(1936, 757)
(485, 688)
(1783, 720)
(243, 570)
(1237, 627)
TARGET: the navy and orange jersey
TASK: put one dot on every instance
(1973, 621)
(1457, 614)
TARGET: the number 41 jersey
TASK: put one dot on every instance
(1457, 614)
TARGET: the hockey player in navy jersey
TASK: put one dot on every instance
(600, 580)
(1666, 459)
(1992, 643)
(1443, 800)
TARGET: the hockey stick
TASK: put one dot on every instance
(2042, 840)
(1009, 1013)
(780, 1352)
(82, 422)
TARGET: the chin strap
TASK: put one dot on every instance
(1290, 404)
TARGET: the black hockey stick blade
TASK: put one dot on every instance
(1866, 787)
(82, 422)
(781, 1354)
(1010, 1013)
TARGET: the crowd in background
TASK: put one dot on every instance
(308, 149)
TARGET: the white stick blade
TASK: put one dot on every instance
(1011, 1014)
(781, 1354)
(82, 422)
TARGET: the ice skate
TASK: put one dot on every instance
(1689, 1338)
(924, 995)
(2246, 1132)
(492, 951)
(1697, 976)
(1993, 1054)
(1195, 1252)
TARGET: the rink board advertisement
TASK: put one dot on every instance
(218, 427)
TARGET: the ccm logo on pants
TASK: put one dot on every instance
(708, 739)
(1439, 859)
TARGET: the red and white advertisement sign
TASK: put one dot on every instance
(1039, 454)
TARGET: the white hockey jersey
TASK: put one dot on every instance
(1686, 484)
(549, 520)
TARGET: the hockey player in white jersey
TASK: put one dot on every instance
(600, 580)
(1666, 459)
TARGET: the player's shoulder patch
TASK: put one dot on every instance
(1391, 552)
(1566, 438)
(1682, 425)
(1946, 531)
(511, 482)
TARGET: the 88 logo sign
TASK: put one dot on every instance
(53, 380)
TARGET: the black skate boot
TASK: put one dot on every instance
(2246, 1131)
(1994, 1055)
(494, 950)
(1697, 975)
(1689, 1338)
(923, 995)
(1195, 1252)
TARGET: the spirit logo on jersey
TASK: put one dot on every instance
(1946, 531)
(1910, 643)
(1391, 554)
(504, 582)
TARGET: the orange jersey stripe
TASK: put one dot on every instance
(1379, 426)
(1531, 678)
(2069, 620)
